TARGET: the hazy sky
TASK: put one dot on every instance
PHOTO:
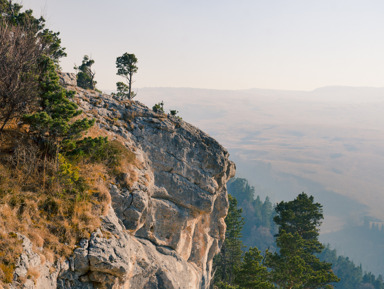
(222, 44)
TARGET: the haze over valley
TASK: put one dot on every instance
(327, 142)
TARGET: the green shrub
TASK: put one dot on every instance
(158, 107)
(173, 112)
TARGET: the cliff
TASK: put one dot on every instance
(165, 222)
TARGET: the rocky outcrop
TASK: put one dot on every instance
(68, 79)
(166, 223)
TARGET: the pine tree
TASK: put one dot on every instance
(52, 126)
(230, 256)
(295, 265)
(259, 227)
(126, 67)
(85, 75)
(252, 273)
(267, 213)
(122, 90)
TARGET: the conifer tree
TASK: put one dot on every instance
(267, 212)
(230, 256)
(295, 265)
(52, 125)
(126, 67)
(252, 273)
(85, 75)
(259, 227)
(122, 90)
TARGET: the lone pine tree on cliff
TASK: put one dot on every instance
(295, 264)
(126, 67)
(85, 75)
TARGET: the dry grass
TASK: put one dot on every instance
(51, 211)
(130, 177)
(98, 176)
(98, 101)
(34, 274)
(126, 102)
(96, 131)
(148, 179)
(6, 272)
(36, 239)
(94, 112)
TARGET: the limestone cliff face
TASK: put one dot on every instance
(167, 224)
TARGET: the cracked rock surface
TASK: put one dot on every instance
(167, 225)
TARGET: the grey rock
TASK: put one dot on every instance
(29, 259)
(80, 260)
(68, 79)
(164, 227)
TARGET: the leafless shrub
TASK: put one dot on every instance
(19, 55)
(27, 156)
(26, 161)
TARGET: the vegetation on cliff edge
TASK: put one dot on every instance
(53, 178)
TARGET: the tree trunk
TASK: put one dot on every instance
(45, 162)
(129, 85)
(7, 118)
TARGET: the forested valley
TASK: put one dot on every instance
(261, 237)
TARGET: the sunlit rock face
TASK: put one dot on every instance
(166, 223)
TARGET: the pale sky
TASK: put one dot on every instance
(225, 44)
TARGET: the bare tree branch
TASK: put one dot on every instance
(19, 56)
